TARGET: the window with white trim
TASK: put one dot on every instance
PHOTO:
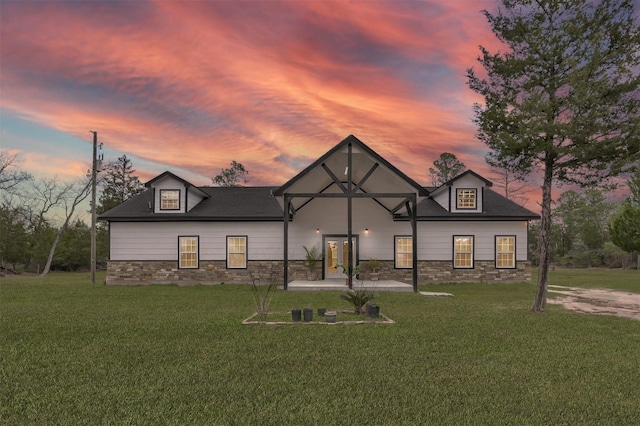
(169, 199)
(404, 252)
(236, 252)
(466, 198)
(188, 256)
(505, 251)
(463, 251)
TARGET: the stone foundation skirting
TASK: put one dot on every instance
(209, 272)
(483, 272)
(439, 272)
(216, 272)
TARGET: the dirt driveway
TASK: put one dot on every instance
(598, 301)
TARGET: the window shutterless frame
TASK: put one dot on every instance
(505, 251)
(237, 251)
(169, 199)
(403, 251)
(466, 199)
(463, 251)
(188, 252)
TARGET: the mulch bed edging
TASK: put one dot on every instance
(383, 319)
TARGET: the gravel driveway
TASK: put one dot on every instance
(598, 301)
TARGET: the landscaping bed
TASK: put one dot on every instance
(342, 318)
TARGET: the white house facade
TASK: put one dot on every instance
(351, 205)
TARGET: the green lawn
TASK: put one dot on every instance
(72, 353)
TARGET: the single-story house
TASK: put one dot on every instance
(351, 204)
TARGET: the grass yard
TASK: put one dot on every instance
(72, 353)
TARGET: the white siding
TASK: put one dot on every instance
(435, 239)
(193, 199)
(442, 198)
(159, 240)
(329, 215)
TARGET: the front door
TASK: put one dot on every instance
(336, 252)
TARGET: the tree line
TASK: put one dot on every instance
(40, 224)
(588, 230)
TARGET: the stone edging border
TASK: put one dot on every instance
(250, 321)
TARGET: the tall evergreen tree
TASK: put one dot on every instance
(445, 168)
(119, 184)
(563, 98)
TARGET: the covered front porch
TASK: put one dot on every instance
(340, 285)
(349, 201)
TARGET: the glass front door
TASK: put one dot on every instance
(337, 253)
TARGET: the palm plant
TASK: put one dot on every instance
(358, 299)
(312, 257)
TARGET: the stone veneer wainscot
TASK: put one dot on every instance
(216, 272)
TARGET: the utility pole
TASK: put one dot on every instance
(94, 171)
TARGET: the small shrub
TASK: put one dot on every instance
(358, 299)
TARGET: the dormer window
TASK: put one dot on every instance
(466, 198)
(169, 199)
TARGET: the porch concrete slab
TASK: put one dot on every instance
(339, 285)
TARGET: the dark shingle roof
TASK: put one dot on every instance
(259, 204)
(223, 204)
(496, 207)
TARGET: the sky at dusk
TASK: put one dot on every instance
(190, 86)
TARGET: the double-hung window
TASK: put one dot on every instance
(505, 251)
(169, 199)
(404, 252)
(236, 252)
(466, 198)
(463, 251)
(188, 252)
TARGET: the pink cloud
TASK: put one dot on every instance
(196, 85)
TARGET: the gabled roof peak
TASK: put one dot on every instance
(168, 174)
(465, 173)
(360, 146)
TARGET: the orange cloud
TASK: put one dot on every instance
(192, 86)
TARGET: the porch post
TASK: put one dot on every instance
(285, 257)
(414, 227)
(350, 218)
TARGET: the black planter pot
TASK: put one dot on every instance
(373, 311)
(296, 315)
(308, 314)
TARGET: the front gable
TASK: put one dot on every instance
(351, 166)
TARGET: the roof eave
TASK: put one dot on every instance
(194, 219)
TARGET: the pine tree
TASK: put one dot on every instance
(119, 184)
(445, 168)
(563, 99)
